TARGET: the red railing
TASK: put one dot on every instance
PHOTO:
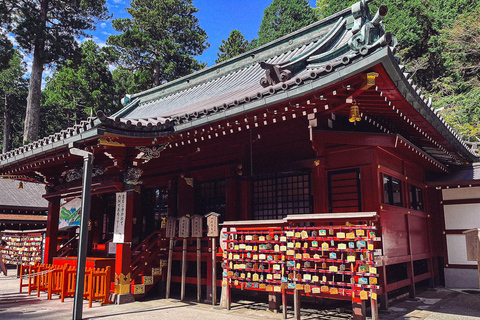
(54, 279)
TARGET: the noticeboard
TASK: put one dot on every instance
(197, 226)
(170, 228)
(184, 227)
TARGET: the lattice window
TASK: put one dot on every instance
(416, 198)
(392, 191)
(278, 196)
(344, 193)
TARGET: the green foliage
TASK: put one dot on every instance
(325, 8)
(234, 45)
(462, 112)
(6, 47)
(47, 29)
(52, 25)
(462, 51)
(458, 92)
(160, 39)
(78, 89)
(282, 17)
(13, 92)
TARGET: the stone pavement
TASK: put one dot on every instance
(440, 304)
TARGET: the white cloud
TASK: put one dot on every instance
(103, 25)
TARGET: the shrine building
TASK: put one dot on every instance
(318, 129)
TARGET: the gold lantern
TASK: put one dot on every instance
(354, 113)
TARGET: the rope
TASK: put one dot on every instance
(26, 276)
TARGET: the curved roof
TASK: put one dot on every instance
(304, 62)
(30, 197)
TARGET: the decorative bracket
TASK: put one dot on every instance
(274, 74)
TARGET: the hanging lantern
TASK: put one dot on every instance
(354, 113)
(20, 185)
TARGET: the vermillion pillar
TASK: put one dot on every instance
(123, 256)
(52, 230)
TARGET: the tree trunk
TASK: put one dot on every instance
(32, 115)
(156, 76)
(6, 126)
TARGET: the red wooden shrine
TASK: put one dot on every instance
(323, 121)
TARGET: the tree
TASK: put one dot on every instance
(47, 29)
(13, 91)
(234, 45)
(457, 93)
(6, 47)
(417, 24)
(282, 17)
(161, 39)
(79, 88)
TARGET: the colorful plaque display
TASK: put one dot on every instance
(333, 260)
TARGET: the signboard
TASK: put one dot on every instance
(170, 229)
(70, 213)
(120, 214)
(197, 226)
(184, 227)
(212, 224)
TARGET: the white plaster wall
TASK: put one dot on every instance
(457, 250)
(461, 193)
(462, 216)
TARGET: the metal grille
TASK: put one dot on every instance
(276, 197)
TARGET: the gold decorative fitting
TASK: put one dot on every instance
(369, 80)
(20, 185)
(316, 163)
(428, 216)
(443, 232)
(381, 207)
(110, 141)
(354, 113)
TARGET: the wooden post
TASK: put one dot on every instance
(212, 231)
(274, 301)
(199, 270)
(229, 294)
(410, 269)
(359, 311)
(296, 304)
(169, 267)
(184, 232)
(184, 268)
(52, 230)
(170, 233)
(284, 303)
(214, 272)
(374, 306)
(197, 232)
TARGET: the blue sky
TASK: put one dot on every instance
(217, 17)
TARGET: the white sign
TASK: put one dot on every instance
(120, 213)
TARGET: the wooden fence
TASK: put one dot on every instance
(60, 280)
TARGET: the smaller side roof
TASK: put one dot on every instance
(30, 197)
